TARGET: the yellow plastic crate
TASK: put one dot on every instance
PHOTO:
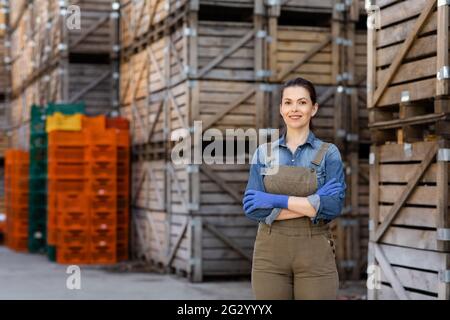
(59, 121)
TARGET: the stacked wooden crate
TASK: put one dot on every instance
(189, 218)
(409, 107)
(62, 53)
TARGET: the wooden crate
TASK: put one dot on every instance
(139, 17)
(216, 239)
(219, 104)
(300, 51)
(408, 67)
(41, 38)
(217, 51)
(409, 222)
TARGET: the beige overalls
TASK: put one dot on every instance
(294, 259)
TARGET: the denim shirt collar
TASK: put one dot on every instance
(310, 140)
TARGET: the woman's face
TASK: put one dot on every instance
(297, 108)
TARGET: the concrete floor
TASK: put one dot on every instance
(27, 276)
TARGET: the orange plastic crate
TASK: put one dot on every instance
(79, 185)
(66, 153)
(97, 123)
(70, 219)
(67, 139)
(19, 211)
(19, 228)
(122, 251)
(118, 123)
(103, 218)
(73, 255)
(105, 202)
(16, 197)
(58, 169)
(72, 201)
(103, 233)
(72, 237)
(123, 216)
(103, 254)
(123, 232)
(102, 153)
(105, 169)
(103, 186)
(17, 243)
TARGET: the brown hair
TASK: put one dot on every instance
(299, 82)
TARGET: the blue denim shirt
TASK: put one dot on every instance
(331, 166)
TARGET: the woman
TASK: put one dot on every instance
(293, 201)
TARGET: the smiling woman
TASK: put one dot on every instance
(294, 251)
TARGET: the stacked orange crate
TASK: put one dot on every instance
(102, 157)
(16, 199)
(67, 189)
(121, 126)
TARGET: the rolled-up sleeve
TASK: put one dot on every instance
(255, 182)
(330, 207)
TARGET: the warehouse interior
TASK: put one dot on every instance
(92, 93)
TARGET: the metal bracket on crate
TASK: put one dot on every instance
(443, 3)
(352, 137)
(189, 32)
(192, 168)
(371, 225)
(341, 133)
(344, 42)
(272, 2)
(115, 6)
(443, 234)
(407, 149)
(346, 90)
(193, 206)
(263, 73)
(347, 263)
(344, 76)
(443, 155)
(444, 276)
(194, 261)
(405, 97)
(340, 7)
(443, 73)
(62, 47)
(114, 15)
(192, 83)
(346, 210)
(261, 34)
(265, 87)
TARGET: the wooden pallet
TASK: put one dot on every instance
(215, 239)
(409, 233)
(408, 70)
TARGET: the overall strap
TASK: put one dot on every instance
(321, 153)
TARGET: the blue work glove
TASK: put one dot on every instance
(330, 188)
(254, 199)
